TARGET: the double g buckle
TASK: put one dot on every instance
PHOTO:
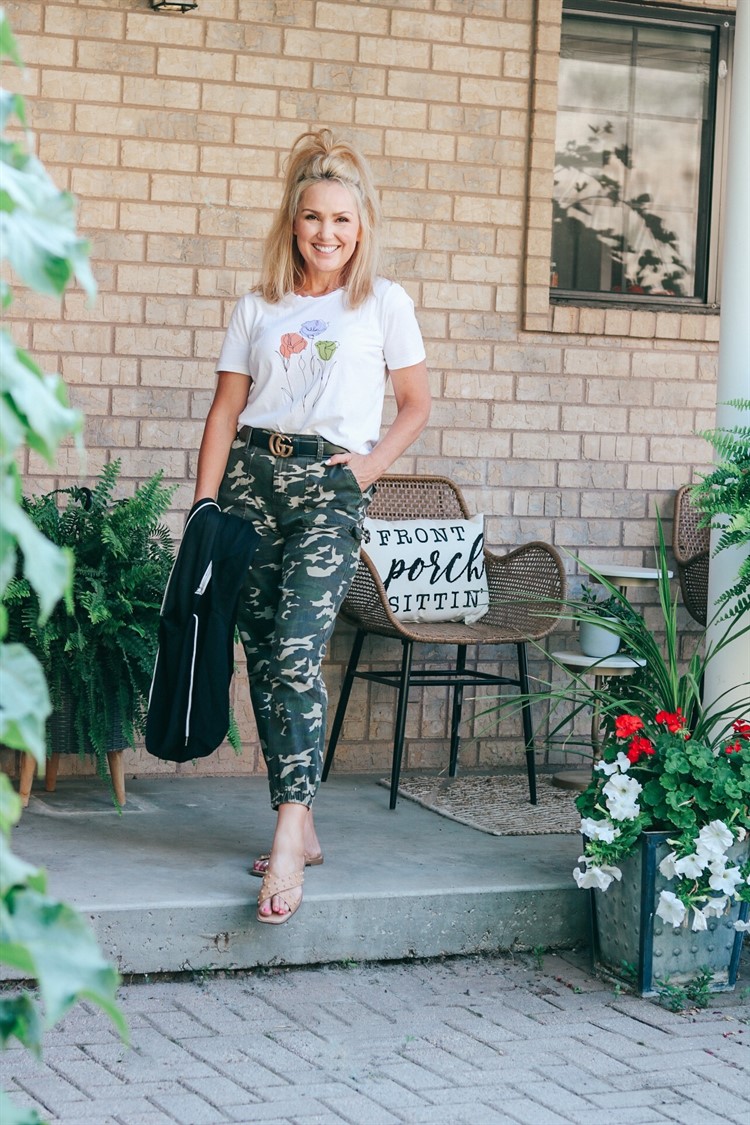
(280, 445)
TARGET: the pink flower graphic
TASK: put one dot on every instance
(291, 344)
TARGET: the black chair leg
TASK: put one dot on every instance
(528, 731)
(458, 700)
(398, 737)
(346, 688)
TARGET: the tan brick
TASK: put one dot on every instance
(169, 372)
(476, 240)
(328, 45)
(503, 212)
(464, 119)
(615, 447)
(394, 53)
(172, 126)
(236, 36)
(696, 395)
(117, 57)
(463, 177)
(45, 51)
(290, 13)
(591, 322)
(456, 296)
(114, 246)
(190, 250)
(516, 65)
(500, 271)
(155, 279)
(155, 28)
(110, 433)
(590, 419)
(347, 79)
(72, 338)
(526, 416)
(418, 145)
(390, 112)
(399, 173)
(668, 325)
(404, 235)
(234, 159)
(540, 388)
(118, 370)
(250, 100)
(59, 147)
(106, 307)
(223, 283)
(498, 32)
(596, 361)
(109, 183)
(564, 319)
(205, 313)
(42, 114)
(628, 392)
(90, 400)
(487, 385)
(491, 150)
(488, 91)
(71, 464)
(417, 205)
(655, 366)
(254, 193)
(145, 341)
(23, 16)
(60, 19)
(79, 86)
(160, 154)
(352, 17)
(422, 87)
(304, 106)
(171, 434)
(671, 422)
(204, 190)
(475, 443)
(513, 123)
(164, 92)
(591, 474)
(280, 72)
(153, 217)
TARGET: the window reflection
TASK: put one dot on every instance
(633, 148)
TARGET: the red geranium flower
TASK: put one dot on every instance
(742, 728)
(733, 748)
(638, 748)
(674, 721)
(627, 725)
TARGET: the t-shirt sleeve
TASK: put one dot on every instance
(402, 339)
(235, 351)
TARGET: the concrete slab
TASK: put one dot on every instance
(166, 888)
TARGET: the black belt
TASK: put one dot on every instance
(288, 445)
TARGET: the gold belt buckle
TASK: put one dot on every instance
(280, 445)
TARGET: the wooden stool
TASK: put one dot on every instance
(28, 769)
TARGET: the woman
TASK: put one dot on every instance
(292, 442)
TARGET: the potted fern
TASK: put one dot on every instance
(97, 648)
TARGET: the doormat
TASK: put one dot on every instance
(494, 803)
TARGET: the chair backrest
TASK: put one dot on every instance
(409, 497)
(691, 546)
(688, 539)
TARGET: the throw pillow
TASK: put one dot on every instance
(432, 570)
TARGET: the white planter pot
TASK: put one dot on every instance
(597, 640)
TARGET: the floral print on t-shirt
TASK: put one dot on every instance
(307, 361)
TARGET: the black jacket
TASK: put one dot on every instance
(188, 708)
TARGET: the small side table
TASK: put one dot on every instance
(625, 576)
(610, 666)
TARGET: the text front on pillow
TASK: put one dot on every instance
(432, 570)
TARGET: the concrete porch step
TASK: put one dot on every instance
(165, 885)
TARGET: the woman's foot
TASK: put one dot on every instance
(281, 890)
(260, 866)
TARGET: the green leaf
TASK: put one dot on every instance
(12, 1114)
(48, 568)
(10, 808)
(8, 48)
(20, 1018)
(24, 701)
(63, 955)
(11, 104)
(39, 401)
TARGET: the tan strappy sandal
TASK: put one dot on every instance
(278, 885)
(310, 861)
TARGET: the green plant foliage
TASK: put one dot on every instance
(98, 650)
(40, 937)
(724, 498)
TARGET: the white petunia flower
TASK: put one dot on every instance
(690, 866)
(621, 795)
(621, 764)
(742, 927)
(714, 839)
(670, 909)
(599, 829)
(715, 906)
(726, 880)
(667, 866)
(599, 877)
(699, 920)
(741, 834)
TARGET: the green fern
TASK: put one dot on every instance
(98, 651)
(723, 496)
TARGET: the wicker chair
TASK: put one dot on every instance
(691, 547)
(521, 585)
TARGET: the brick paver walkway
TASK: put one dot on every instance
(481, 1041)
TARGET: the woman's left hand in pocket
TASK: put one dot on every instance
(360, 464)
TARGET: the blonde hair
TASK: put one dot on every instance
(316, 157)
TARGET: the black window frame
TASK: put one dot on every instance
(713, 158)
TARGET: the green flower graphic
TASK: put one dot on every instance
(325, 348)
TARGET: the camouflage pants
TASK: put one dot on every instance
(309, 517)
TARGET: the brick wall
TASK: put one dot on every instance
(568, 425)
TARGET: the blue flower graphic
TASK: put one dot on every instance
(312, 328)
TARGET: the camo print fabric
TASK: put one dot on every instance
(309, 518)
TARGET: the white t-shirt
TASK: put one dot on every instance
(318, 366)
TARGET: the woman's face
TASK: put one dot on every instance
(327, 229)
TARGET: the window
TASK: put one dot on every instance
(638, 153)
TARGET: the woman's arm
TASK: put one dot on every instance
(412, 390)
(220, 431)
